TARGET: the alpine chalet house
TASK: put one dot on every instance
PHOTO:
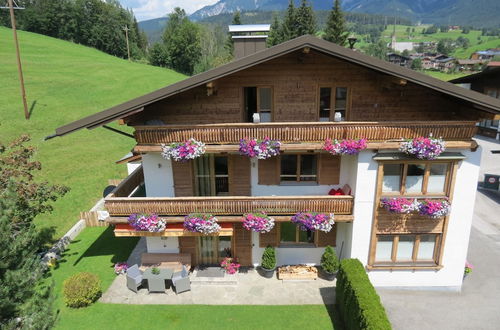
(332, 128)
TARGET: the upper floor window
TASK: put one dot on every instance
(291, 234)
(419, 178)
(211, 175)
(492, 91)
(407, 249)
(299, 168)
(333, 103)
(258, 100)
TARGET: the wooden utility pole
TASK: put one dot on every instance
(126, 29)
(18, 57)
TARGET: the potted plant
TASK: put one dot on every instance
(428, 148)
(468, 269)
(268, 265)
(230, 265)
(155, 271)
(329, 263)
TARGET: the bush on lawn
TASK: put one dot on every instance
(81, 290)
(357, 300)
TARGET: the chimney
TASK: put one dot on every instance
(248, 39)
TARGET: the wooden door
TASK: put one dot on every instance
(212, 249)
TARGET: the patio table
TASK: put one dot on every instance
(156, 282)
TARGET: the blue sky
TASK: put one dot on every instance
(147, 9)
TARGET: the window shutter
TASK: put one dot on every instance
(329, 169)
(183, 178)
(329, 238)
(269, 171)
(239, 176)
(270, 238)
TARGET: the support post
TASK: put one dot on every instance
(126, 29)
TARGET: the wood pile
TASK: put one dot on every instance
(297, 272)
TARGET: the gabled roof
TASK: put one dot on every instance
(490, 71)
(481, 101)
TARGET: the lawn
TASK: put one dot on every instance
(96, 250)
(65, 82)
(445, 76)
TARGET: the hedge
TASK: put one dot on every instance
(81, 289)
(357, 301)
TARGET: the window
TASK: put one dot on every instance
(407, 249)
(339, 104)
(299, 168)
(211, 175)
(291, 234)
(258, 100)
(493, 92)
(423, 178)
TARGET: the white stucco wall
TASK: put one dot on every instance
(132, 166)
(457, 237)
(158, 176)
(162, 244)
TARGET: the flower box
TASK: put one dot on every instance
(423, 148)
(183, 151)
(260, 149)
(345, 147)
(147, 222)
(434, 208)
(400, 205)
(201, 223)
(258, 222)
(314, 221)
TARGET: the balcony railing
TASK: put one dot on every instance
(291, 132)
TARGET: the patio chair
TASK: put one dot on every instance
(134, 278)
(180, 281)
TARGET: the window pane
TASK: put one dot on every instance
(415, 178)
(220, 165)
(341, 101)
(426, 247)
(203, 180)
(265, 98)
(308, 168)
(325, 101)
(437, 178)
(306, 236)
(384, 248)
(289, 168)
(405, 248)
(224, 246)
(287, 232)
(392, 177)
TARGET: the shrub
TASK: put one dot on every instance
(329, 261)
(357, 300)
(269, 258)
(81, 290)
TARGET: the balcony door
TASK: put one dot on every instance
(212, 249)
(211, 175)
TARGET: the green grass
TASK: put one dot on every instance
(65, 82)
(96, 250)
(445, 76)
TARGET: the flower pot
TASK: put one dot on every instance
(267, 273)
(328, 276)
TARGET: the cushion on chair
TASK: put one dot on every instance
(133, 271)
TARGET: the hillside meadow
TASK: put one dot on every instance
(65, 82)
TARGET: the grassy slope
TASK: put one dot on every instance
(96, 250)
(67, 82)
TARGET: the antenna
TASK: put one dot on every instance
(126, 29)
(11, 6)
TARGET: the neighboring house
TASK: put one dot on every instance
(296, 89)
(401, 46)
(445, 64)
(485, 54)
(486, 82)
(399, 59)
(471, 65)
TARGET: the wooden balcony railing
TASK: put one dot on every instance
(228, 205)
(291, 132)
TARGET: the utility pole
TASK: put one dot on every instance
(18, 57)
(126, 29)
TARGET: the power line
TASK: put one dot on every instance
(126, 29)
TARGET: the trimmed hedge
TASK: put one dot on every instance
(81, 290)
(358, 302)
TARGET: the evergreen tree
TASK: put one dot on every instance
(275, 36)
(289, 26)
(229, 42)
(306, 21)
(182, 42)
(336, 30)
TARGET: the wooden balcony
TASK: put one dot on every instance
(308, 132)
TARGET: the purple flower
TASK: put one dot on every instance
(400, 205)
(145, 222)
(314, 221)
(423, 148)
(184, 151)
(434, 208)
(345, 147)
(262, 149)
(258, 222)
(201, 223)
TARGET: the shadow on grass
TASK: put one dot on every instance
(119, 248)
(328, 296)
(32, 108)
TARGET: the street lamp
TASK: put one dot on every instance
(352, 40)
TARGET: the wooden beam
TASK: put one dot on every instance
(211, 88)
(306, 50)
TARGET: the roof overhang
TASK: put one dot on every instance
(136, 105)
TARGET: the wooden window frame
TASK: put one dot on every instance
(423, 191)
(333, 99)
(297, 173)
(434, 262)
(212, 175)
(297, 242)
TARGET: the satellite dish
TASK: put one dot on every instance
(108, 190)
